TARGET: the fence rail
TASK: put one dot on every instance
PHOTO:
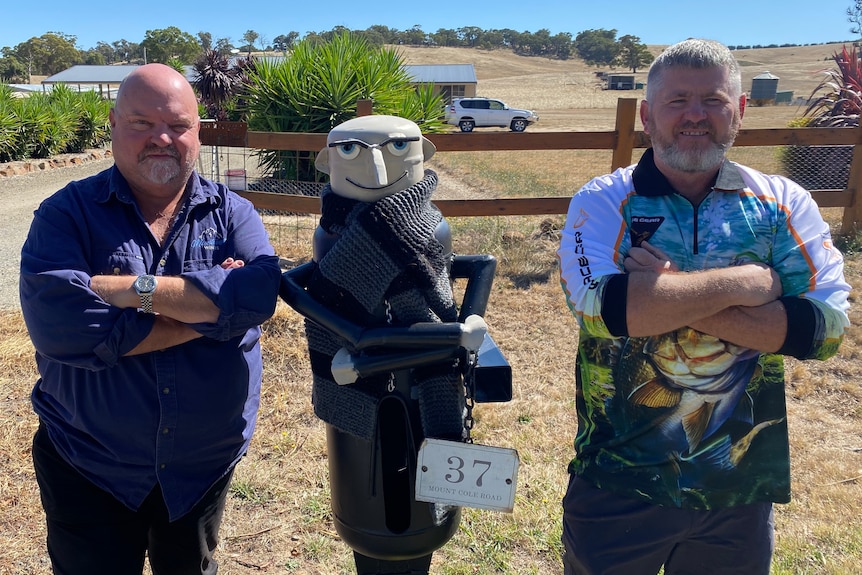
(622, 141)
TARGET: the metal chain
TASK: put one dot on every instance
(387, 310)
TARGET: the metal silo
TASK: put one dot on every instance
(764, 88)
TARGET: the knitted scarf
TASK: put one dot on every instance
(386, 263)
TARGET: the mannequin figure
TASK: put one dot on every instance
(388, 344)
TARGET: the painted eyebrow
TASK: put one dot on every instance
(366, 145)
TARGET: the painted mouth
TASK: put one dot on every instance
(364, 187)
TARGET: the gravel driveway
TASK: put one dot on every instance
(19, 196)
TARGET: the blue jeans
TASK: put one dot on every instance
(608, 534)
(91, 533)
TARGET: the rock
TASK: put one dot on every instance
(19, 168)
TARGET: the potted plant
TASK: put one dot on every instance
(835, 102)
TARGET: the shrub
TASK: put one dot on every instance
(317, 87)
(49, 123)
(9, 125)
(837, 99)
(835, 102)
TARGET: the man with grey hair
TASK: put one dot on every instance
(691, 277)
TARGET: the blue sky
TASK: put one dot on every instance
(659, 22)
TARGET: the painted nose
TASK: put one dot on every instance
(379, 167)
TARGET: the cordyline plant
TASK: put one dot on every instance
(216, 83)
(834, 103)
(837, 100)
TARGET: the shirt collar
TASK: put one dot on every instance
(649, 181)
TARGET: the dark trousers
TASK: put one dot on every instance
(606, 534)
(91, 533)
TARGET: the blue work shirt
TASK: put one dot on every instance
(182, 416)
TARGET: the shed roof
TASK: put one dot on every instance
(89, 74)
(441, 73)
(419, 73)
(766, 76)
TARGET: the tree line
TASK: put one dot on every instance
(54, 52)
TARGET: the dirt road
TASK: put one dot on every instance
(19, 196)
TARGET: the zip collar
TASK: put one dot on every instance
(649, 181)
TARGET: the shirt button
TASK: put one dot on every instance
(162, 263)
(165, 431)
(166, 390)
(162, 466)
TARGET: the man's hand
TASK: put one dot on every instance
(648, 258)
(231, 263)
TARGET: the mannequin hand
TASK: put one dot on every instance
(473, 332)
(343, 370)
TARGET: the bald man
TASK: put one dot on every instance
(143, 289)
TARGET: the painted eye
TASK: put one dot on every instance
(398, 147)
(348, 151)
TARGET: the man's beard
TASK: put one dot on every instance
(693, 160)
(162, 170)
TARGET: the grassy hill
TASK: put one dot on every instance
(569, 96)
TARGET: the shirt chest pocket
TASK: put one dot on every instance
(120, 263)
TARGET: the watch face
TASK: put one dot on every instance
(145, 284)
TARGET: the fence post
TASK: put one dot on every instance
(853, 212)
(363, 107)
(625, 129)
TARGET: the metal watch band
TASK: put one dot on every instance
(147, 302)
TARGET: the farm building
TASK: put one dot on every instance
(105, 79)
(764, 88)
(621, 82)
(451, 80)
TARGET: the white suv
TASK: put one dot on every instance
(469, 113)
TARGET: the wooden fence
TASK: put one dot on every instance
(623, 140)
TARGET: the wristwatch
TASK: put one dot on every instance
(145, 285)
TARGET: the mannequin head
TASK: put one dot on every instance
(371, 157)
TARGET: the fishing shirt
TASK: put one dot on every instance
(685, 419)
(180, 417)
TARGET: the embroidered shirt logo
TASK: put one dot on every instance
(209, 239)
(643, 227)
(581, 219)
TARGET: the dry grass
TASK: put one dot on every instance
(278, 517)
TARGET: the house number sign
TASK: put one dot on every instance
(467, 474)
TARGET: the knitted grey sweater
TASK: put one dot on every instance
(385, 268)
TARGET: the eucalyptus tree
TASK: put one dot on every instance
(854, 17)
(250, 37)
(48, 54)
(206, 40)
(633, 53)
(284, 42)
(597, 47)
(164, 44)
